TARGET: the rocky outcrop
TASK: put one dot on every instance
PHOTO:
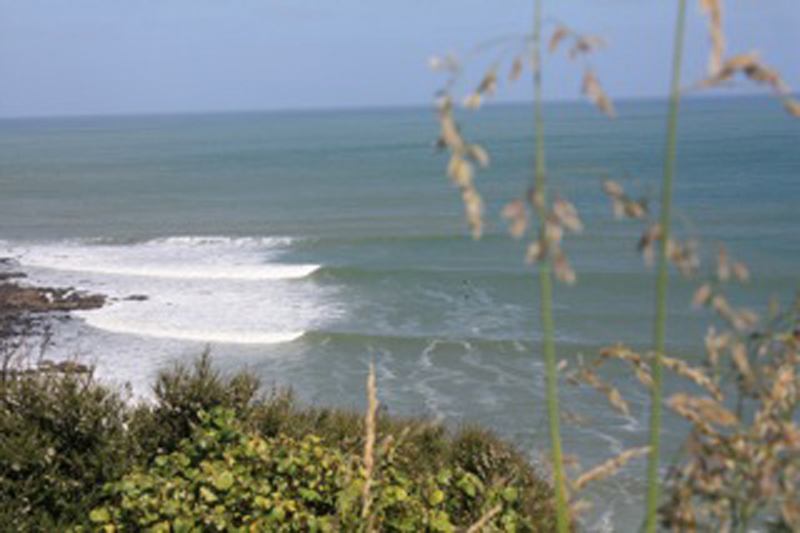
(17, 298)
(26, 309)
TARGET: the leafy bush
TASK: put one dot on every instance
(225, 479)
(63, 437)
(181, 393)
(421, 448)
(212, 454)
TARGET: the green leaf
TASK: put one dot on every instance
(510, 494)
(208, 495)
(223, 481)
(100, 515)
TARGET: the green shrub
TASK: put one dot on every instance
(225, 479)
(180, 394)
(422, 449)
(211, 454)
(63, 437)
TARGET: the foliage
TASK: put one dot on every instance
(75, 455)
(226, 479)
(63, 437)
(180, 394)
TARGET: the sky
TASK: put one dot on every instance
(89, 57)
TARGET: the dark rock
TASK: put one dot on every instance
(137, 298)
(16, 298)
(27, 311)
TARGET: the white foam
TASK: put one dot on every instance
(221, 272)
(196, 289)
(211, 258)
(221, 337)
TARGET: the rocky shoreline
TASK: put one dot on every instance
(25, 309)
(26, 312)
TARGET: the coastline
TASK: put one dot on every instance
(25, 310)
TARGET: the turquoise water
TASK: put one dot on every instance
(304, 245)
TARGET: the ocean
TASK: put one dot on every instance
(303, 245)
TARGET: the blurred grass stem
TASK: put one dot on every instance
(660, 327)
(546, 281)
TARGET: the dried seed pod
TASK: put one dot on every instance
(636, 209)
(714, 10)
(473, 101)
(563, 270)
(792, 106)
(579, 507)
(647, 242)
(449, 133)
(478, 154)
(488, 84)
(739, 354)
(702, 295)
(618, 208)
(722, 307)
(536, 197)
(447, 63)
(594, 91)
(740, 271)
(537, 251)
(517, 217)
(723, 264)
(708, 410)
(650, 236)
(516, 69)
(750, 65)
(567, 215)
(744, 319)
(697, 376)
(684, 257)
(474, 208)
(730, 67)
(460, 171)
(613, 395)
(561, 33)
(553, 231)
(586, 45)
(715, 344)
(609, 467)
(640, 368)
(612, 188)
(764, 74)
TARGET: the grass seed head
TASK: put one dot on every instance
(594, 91)
(567, 215)
(561, 33)
(537, 250)
(563, 270)
(702, 295)
(516, 214)
(714, 10)
(516, 69)
(609, 467)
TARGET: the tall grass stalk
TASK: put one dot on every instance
(660, 328)
(546, 280)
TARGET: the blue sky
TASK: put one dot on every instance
(71, 57)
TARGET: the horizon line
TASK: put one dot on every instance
(356, 108)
